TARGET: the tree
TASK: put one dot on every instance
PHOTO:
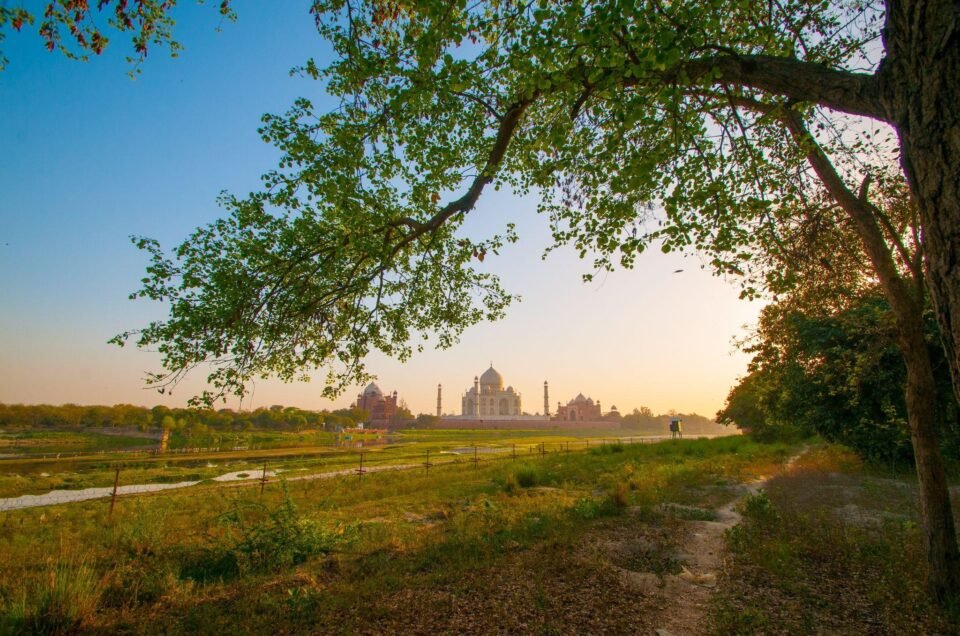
(611, 110)
(836, 372)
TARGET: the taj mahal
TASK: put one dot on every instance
(487, 404)
(488, 399)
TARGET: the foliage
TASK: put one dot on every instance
(836, 373)
(759, 508)
(196, 423)
(609, 111)
(76, 29)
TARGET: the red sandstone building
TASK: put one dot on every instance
(382, 408)
(579, 409)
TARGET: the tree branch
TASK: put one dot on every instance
(854, 93)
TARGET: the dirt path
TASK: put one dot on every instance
(679, 603)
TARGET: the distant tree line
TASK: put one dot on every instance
(73, 416)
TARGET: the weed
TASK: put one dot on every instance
(690, 513)
(522, 476)
(759, 508)
(66, 602)
(590, 508)
(620, 496)
(527, 476)
(280, 538)
(607, 449)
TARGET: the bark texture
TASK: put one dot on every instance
(920, 88)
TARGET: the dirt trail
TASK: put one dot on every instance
(679, 603)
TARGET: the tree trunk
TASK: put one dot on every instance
(906, 302)
(943, 559)
(920, 84)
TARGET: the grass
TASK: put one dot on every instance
(306, 555)
(828, 548)
(522, 545)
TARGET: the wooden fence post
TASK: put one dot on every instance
(360, 470)
(113, 497)
(263, 479)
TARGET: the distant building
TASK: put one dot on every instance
(579, 409)
(382, 408)
(488, 399)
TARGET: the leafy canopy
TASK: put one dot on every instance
(636, 123)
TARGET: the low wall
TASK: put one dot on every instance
(546, 425)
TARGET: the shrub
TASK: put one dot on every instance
(590, 508)
(281, 538)
(526, 476)
(759, 508)
(266, 540)
(620, 495)
(606, 449)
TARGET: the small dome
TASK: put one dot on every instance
(510, 389)
(492, 377)
(373, 389)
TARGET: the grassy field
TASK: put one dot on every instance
(585, 541)
(311, 555)
(37, 475)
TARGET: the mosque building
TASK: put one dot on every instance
(382, 407)
(579, 409)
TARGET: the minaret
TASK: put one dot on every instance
(438, 400)
(476, 397)
(546, 399)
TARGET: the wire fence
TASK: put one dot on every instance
(337, 464)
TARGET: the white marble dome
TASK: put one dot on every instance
(492, 377)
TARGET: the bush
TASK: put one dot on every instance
(522, 476)
(264, 540)
(606, 449)
(759, 508)
(590, 508)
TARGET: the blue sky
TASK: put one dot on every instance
(92, 156)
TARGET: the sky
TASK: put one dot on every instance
(91, 156)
